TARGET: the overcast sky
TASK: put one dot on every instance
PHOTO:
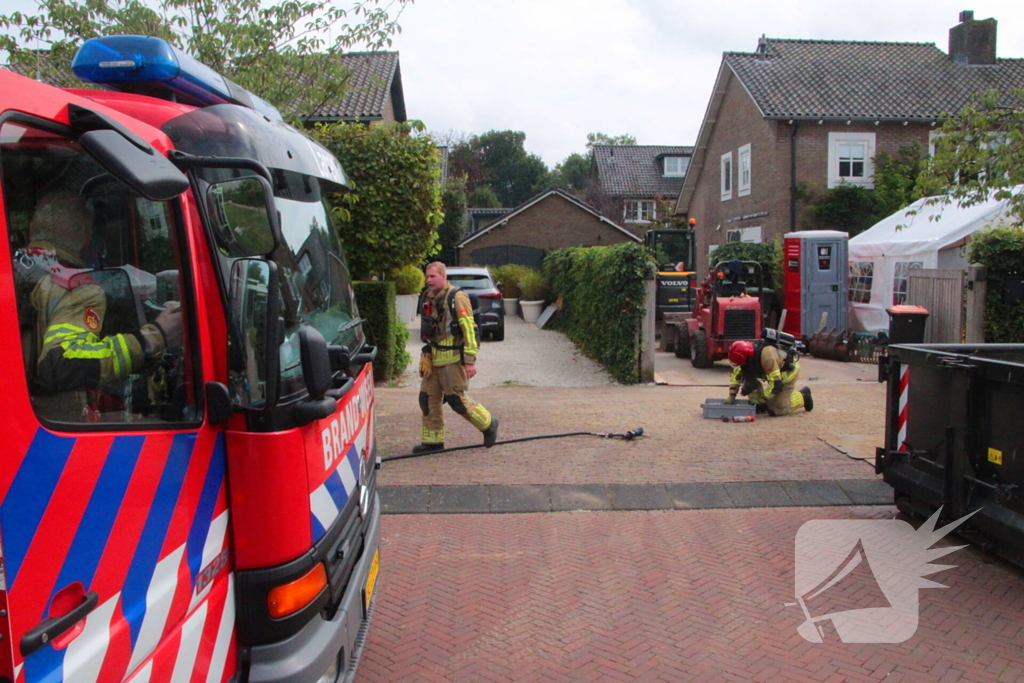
(559, 69)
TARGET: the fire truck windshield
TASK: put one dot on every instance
(315, 286)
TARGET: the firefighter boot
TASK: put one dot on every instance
(808, 401)
(427, 448)
(491, 433)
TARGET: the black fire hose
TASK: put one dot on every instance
(625, 436)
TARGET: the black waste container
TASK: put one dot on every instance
(906, 324)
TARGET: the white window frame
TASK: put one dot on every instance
(834, 141)
(862, 275)
(680, 167)
(744, 234)
(901, 280)
(744, 172)
(639, 211)
(725, 176)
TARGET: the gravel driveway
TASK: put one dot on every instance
(527, 357)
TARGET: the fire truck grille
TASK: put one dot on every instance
(740, 324)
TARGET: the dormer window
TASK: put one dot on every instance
(675, 166)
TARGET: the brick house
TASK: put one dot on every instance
(631, 183)
(799, 116)
(374, 91)
(553, 219)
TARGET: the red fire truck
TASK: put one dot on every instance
(187, 487)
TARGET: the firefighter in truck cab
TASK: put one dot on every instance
(766, 374)
(448, 361)
(72, 360)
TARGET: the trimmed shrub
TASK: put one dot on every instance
(603, 302)
(533, 287)
(1001, 251)
(509, 276)
(408, 280)
(376, 302)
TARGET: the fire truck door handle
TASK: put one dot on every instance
(51, 628)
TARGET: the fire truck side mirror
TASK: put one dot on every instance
(254, 330)
(150, 174)
(316, 371)
(243, 217)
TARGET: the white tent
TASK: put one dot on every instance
(882, 256)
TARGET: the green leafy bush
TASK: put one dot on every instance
(603, 302)
(391, 216)
(376, 302)
(408, 280)
(768, 254)
(508, 276)
(533, 286)
(1001, 251)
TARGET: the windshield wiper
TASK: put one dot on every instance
(349, 325)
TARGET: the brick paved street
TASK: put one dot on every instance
(672, 596)
(679, 446)
(676, 558)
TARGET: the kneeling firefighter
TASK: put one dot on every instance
(449, 361)
(767, 375)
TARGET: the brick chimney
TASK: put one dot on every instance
(973, 42)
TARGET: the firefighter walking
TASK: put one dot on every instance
(767, 376)
(448, 361)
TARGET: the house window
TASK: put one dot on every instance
(744, 235)
(726, 178)
(743, 186)
(901, 279)
(861, 277)
(676, 166)
(641, 211)
(850, 159)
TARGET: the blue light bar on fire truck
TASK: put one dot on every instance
(152, 66)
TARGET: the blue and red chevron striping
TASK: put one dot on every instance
(134, 518)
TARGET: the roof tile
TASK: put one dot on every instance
(834, 79)
(635, 170)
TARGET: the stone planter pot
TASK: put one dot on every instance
(405, 307)
(532, 310)
(511, 306)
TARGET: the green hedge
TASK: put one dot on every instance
(1001, 251)
(768, 254)
(602, 291)
(376, 302)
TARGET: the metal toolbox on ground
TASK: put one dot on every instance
(717, 408)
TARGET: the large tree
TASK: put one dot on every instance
(980, 154)
(499, 160)
(279, 51)
(573, 173)
(604, 139)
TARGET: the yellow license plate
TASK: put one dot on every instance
(371, 580)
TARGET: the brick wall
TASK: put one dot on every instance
(738, 123)
(552, 223)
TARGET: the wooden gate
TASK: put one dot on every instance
(941, 291)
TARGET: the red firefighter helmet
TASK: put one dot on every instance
(740, 352)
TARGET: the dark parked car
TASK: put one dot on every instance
(491, 307)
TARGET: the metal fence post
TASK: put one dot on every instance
(977, 288)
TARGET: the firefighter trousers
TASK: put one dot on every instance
(448, 384)
(784, 402)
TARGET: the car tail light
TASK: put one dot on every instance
(488, 296)
(291, 597)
